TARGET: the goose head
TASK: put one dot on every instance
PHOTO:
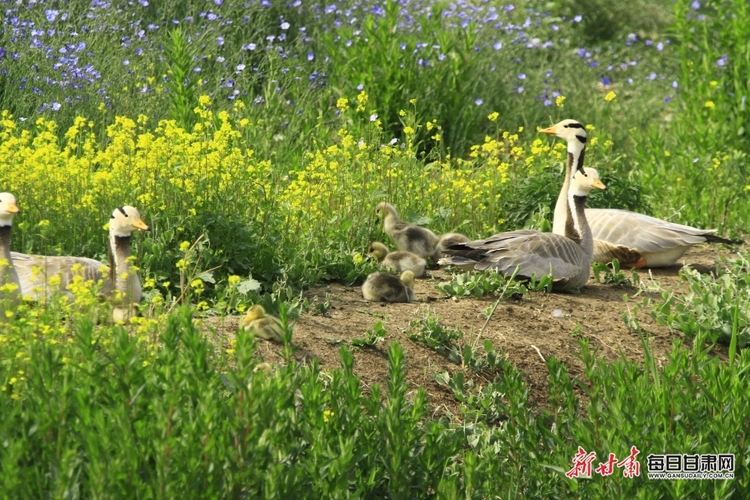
(583, 182)
(572, 132)
(8, 209)
(407, 278)
(377, 250)
(384, 209)
(254, 313)
(125, 220)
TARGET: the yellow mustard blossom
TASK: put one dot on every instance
(560, 101)
(610, 96)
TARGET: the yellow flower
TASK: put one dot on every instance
(710, 104)
(408, 130)
(234, 279)
(560, 101)
(713, 83)
(327, 414)
(342, 104)
(610, 96)
(493, 116)
(184, 246)
(357, 258)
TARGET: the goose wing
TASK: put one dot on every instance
(533, 252)
(606, 252)
(644, 233)
(34, 272)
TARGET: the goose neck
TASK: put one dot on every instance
(5, 242)
(119, 263)
(576, 226)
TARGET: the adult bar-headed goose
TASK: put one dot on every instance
(398, 261)
(262, 325)
(384, 287)
(634, 239)
(408, 237)
(123, 222)
(8, 274)
(567, 258)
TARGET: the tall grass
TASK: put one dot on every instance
(101, 412)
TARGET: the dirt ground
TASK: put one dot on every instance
(524, 330)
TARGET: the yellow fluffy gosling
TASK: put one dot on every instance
(398, 261)
(407, 237)
(264, 326)
(384, 287)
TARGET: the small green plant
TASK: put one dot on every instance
(603, 273)
(576, 331)
(481, 284)
(183, 81)
(717, 307)
(430, 332)
(372, 336)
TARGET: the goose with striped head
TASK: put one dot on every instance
(534, 253)
(120, 281)
(635, 240)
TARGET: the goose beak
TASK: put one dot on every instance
(12, 208)
(598, 184)
(549, 130)
(139, 224)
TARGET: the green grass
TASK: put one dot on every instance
(158, 411)
(106, 414)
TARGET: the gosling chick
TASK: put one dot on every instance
(447, 240)
(264, 326)
(398, 261)
(408, 237)
(384, 287)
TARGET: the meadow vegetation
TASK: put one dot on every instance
(256, 139)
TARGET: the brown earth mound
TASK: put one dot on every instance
(527, 330)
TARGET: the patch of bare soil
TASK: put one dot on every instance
(524, 330)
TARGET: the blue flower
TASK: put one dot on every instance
(498, 45)
(479, 101)
(695, 5)
(310, 56)
(51, 16)
(522, 76)
(577, 19)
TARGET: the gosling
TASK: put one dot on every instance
(407, 237)
(384, 287)
(264, 326)
(447, 240)
(398, 261)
